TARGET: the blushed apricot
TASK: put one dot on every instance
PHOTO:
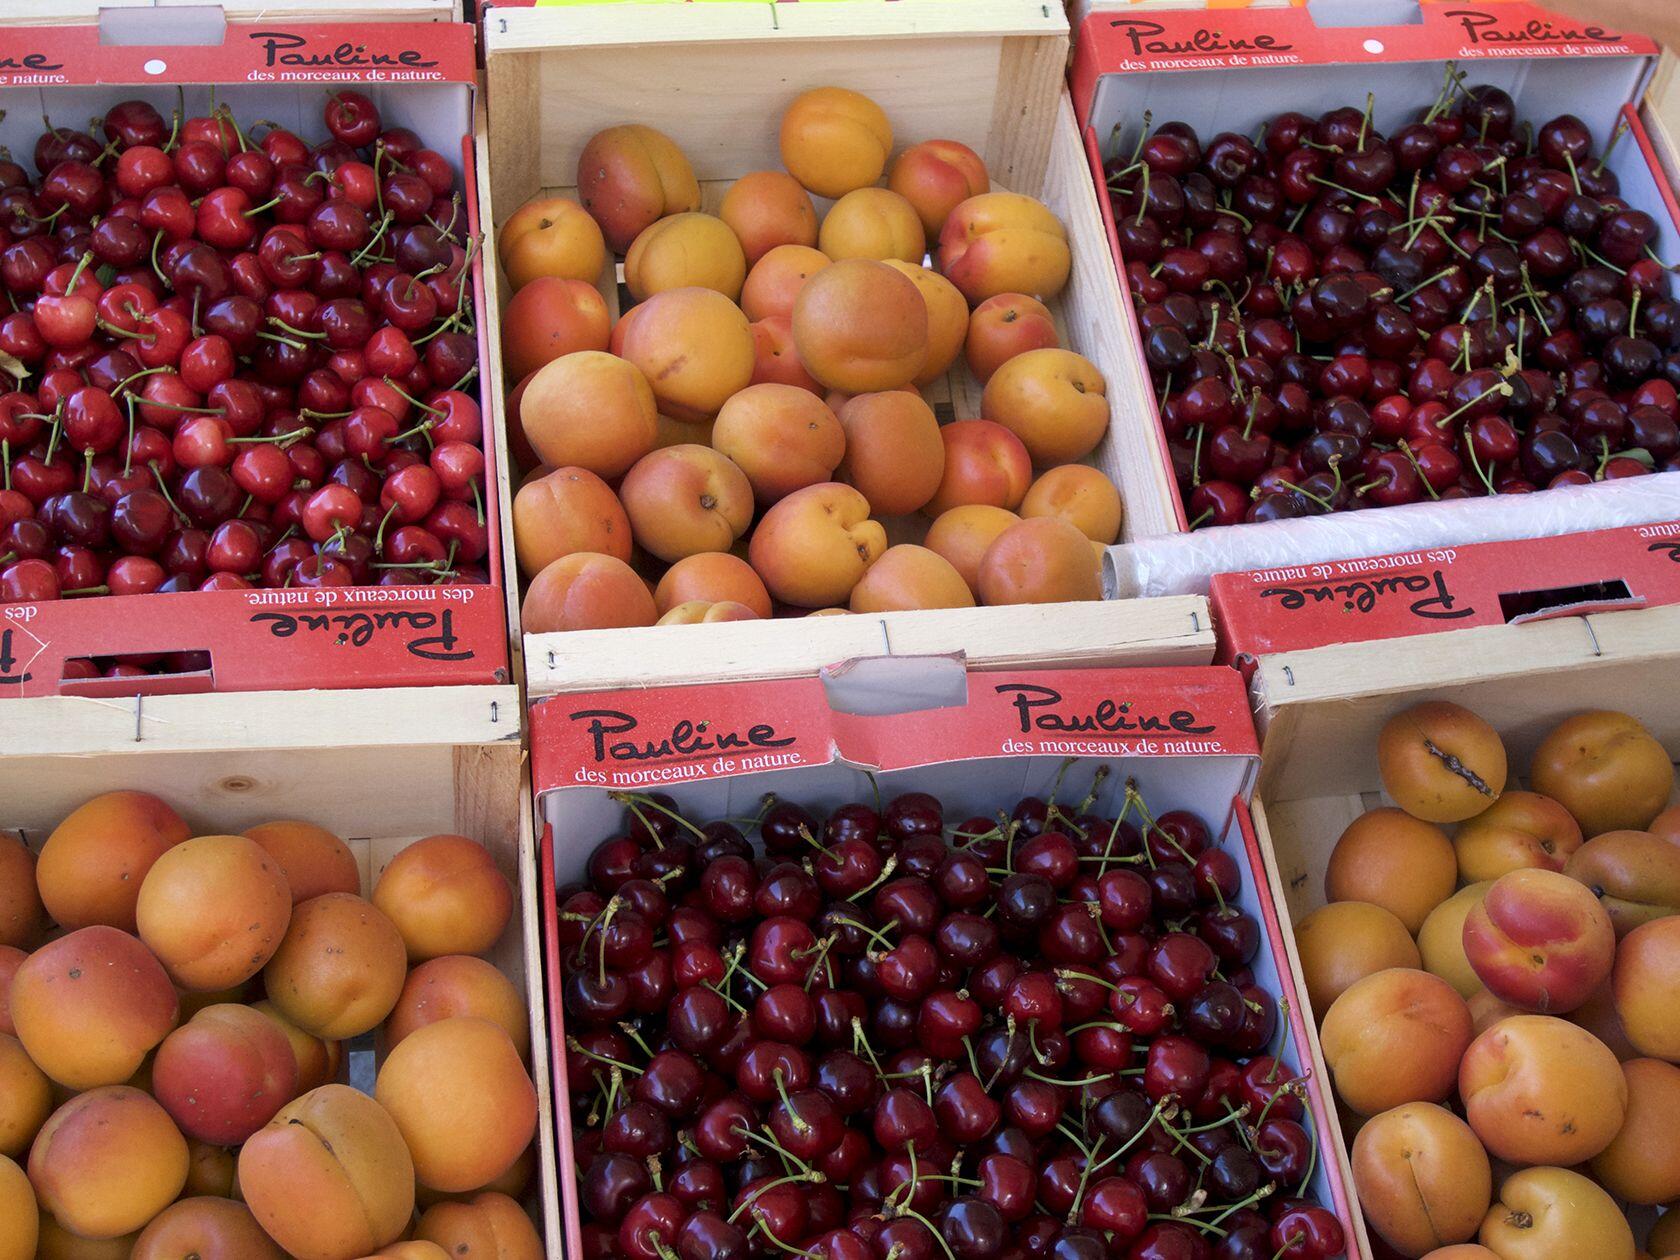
(935, 177)
(313, 859)
(908, 576)
(1642, 1162)
(1441, 939)
(1004, 326)
(550, 317)
(984, 463)
(689, 250)
(712, 577)
(947, 312)
(90, 869)
(962, 535)
(10, 960)
(834, 140)
(210, 1170)
(861, 326)
(489, 1226)
(1002, 242)
(586, 591)
(213, 910)
(872, 223)
(783, 438)
(318, 1060)
(1082, 496)
(589, 410)
(205, 1228)
(1634, 874)
(25, 1098)
(767, 209)
(894, 453)
(812, 547)
(683, 500)
(89, 1006)
(1055, 401)
(1346, 941)
(1440, 762)
(776, 358)
(1540, 940)
(1395, 1037)
(1646, 984)
(774, 282)
(552, 236)
(695, 347)
(631, 176)
(1423, 1178)
(107, 1161)
(20, 1219)
(1395, 861)
(700, 612)
(566, 511)
(1041, 561)
(1539, 1090)
(462, 1099)
(1606, 769)
(459, 984)
(1555, 1214)
(223, 1074)
(21, 913)
(1520, 829)
(446, 896)
(339, 968)
(329, 1177)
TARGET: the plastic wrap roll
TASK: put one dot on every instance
(1181, 564)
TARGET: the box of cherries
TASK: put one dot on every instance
(1383, 265)
(241, 444)
(905, 963)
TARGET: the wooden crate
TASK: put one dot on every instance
(716, 77)
(1320, 712)
(380, 798)
(57, 12)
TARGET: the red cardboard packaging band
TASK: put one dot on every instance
(422, 77)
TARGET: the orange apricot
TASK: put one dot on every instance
(894, 453)
(446, 896)
(907, 576)
(91, 867)
(1041, 561)
(213, 910)
(565, 511)
(768, 209)
(313, 859)
(834, 140)
(586, 591)
(711, 577)
(590, 410)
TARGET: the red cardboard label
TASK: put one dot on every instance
(681, 734)
(252, 52)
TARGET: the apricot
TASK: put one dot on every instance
(205, 1228)
(1395, 1037)
(1041, 561)
(699, 612)
(1540, 940)
(90, 869)
(1646, 985)
(446, 896)
(90, 1005)
(1004, 326)
(210, 1170)
(213, 910)
(566, 511)
(630, 176)
(20, 1219)
(695, 347)
(58, 1243)
(1635, 876)
(1642, 1162)
(812, 547)
(586, 591)
(1555, 1214)
(551, 236)
(776, 358)
(767, 209)
(20, 903)
(1462, 1251)
(872, 223)
(1440, 762)
(1441, 939)
(1395, 861)
(1606, 769)
(947, 319)
(984, 463)
(107, 1161)
(412, 1250)
(774, 282)
(25, 1098)
(861, 326)
(463, 1100)
(935, 177)
(894, 452)
(10, 960)
(223, 1074)
(513, 1183)
(1519, 830)
(712, 577)
(782, 438)
(329, 1177)
(490, 1226)
(459, 984)
(1346, 941)
(313, 859)
(1539, 1090)
(684, 500)
(906, 577)
(1422, 1177)
(1081, 495)
(318, 1060)
(1487, 1010)
(550, 317)
(1055, 401)
(1667, 824)
(1003, 242)
(590, 410)
(689, 250)
(834, 140)
(339, 969)
(1598, 1016)
(1664, 1238)
(962, 535)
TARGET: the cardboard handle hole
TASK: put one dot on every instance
(879, 686)
(171, 26)
(1518, 607)
(138, 674)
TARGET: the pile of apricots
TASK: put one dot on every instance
(750, 436)
(1504, 1003)
(174, 1016)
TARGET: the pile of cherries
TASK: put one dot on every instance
(1034, 1037)
(1335, 318)
(236, 359)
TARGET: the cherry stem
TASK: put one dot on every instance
(436, 411)
(887, 868)
(385, 221)
(634, 799)
(1298, 1237)
(1319, 179)
(792, 1178)
(577, 1047)
(765, 1139)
